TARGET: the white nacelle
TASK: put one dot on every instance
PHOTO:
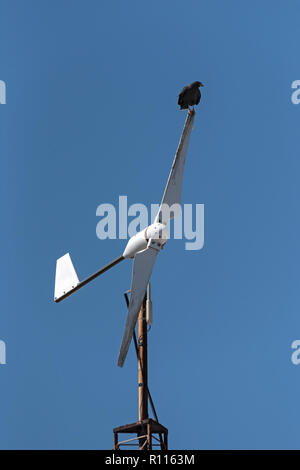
(136, 243)
(139, 242)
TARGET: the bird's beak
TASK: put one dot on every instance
(201, 84)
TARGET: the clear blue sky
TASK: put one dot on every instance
(92, 114)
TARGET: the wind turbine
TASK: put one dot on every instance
(142, 247)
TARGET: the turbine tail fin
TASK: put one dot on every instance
(65, 277)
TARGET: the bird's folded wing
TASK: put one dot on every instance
(141, 273)
(172, 193)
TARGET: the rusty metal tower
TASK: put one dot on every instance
(149, 432)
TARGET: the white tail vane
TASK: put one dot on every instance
(142, 247)
(66, 278)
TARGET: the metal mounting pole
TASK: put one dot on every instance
(142, 367)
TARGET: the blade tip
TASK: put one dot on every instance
(120, 362)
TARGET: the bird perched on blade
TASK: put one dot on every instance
(190, 95)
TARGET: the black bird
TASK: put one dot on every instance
(190, 95)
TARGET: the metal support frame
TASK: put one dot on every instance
(145, 431)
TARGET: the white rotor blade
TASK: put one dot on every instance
(172, 193)
(141, 272)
